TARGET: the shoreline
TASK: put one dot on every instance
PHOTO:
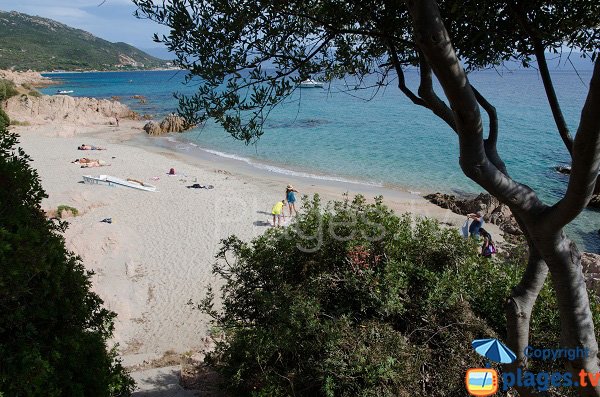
(109, 71)
(329, 186)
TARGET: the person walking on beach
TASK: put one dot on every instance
(291, 198)
(278, 213)
(476, 224)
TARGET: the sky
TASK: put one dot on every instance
(113, 20)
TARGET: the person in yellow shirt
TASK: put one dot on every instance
(277, 212)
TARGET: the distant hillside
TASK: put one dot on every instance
(31, 42)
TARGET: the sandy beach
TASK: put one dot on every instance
(157, 253)
(155, 258)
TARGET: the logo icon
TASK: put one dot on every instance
(481, 381)
(484, 381)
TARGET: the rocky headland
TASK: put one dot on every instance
(63, 109)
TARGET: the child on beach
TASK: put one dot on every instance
(277, 212)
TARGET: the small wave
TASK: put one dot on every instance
(286, 171)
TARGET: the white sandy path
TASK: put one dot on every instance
(158, 252)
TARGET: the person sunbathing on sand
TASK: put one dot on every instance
(90, 147)
(89, 163)
(97, 163)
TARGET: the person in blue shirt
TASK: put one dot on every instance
(291, 198)
(476, 224)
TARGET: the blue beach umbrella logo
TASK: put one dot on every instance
(494, 350)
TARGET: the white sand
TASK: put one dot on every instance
(157, 255)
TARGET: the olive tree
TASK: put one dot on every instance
(228, 43)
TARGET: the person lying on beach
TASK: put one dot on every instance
(277, 212)
(88, 163)
(90, 147)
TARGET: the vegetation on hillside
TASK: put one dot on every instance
(31, 42)
(353, 300)
(53, 328)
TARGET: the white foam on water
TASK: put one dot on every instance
(286, 171)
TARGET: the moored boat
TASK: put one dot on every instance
(310, 83)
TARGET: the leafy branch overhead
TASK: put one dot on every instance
(248, 56)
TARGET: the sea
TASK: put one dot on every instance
(351, 130)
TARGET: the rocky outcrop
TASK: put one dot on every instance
(171, 123)
(563, 169)
(566, 170)
(63, 109)
(20, 78)
(493, 211)
(153, 128)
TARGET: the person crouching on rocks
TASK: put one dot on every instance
(488, 248)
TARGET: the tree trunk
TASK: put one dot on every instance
(518, 312)
(576, 323)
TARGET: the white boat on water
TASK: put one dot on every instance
(64, 92)
(114, 181)
(310, 83)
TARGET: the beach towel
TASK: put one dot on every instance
(464, 230)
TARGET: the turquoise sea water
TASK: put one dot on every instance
(381, 137)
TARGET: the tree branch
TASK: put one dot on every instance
(538, 49)
(401, 80)
(437, 106)
(489, 144)
(586, 159)
(559, 119)
(432, 39)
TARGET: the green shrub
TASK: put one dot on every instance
(62, 208)
(20, 123)
(4, 119)
(7, 89)
(35, 93)
(352, 300)
(53, 329)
